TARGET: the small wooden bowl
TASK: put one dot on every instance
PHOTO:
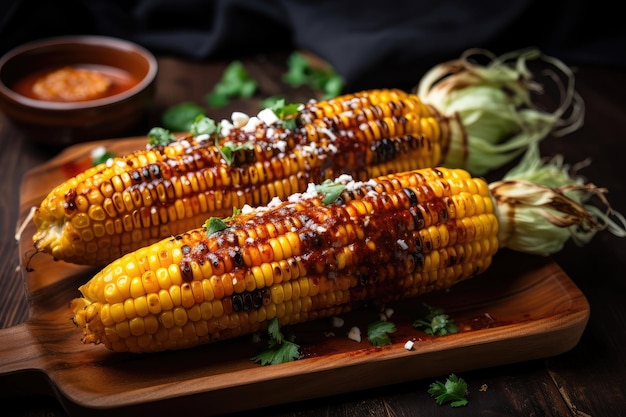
(130, 71)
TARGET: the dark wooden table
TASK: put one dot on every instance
(589, 380)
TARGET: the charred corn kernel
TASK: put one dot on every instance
(140, 198)
(383, 239)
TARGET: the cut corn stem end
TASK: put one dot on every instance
(542, 204)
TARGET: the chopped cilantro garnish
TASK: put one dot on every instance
(228, 150)
(215, 224)
(281, 348)
(288, 113)
(158, 136)
(453, 391)
(268, 102)
(378, 332)
(435, 322)
(180, 117)
(331, 190)
(235, 82)
(300, 72)
(203, 125)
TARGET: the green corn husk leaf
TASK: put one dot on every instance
(541, 206)
(493, 117)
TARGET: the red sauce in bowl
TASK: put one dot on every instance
(74, 83)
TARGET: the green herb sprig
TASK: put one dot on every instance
(435, 322)
(180, 117)
(453, 391)
(215, 224)
(281, 348)
(158, 136)
(286, 112)
(331, 191)
(378, 332)
(300, 72)
(235, 82)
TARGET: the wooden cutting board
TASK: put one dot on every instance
(522, 308)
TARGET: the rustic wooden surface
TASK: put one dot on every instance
(584, 381)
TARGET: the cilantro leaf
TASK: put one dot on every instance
(378, 332)
(280, 349)
(433, 321)
(453, 391)
(300, 72)
(297, 70)
(215, 224)
(287, 113)
(235, 82)
(203, 125)
(158, 136)
(331, 190)
(269, 102)
(181, 116)
(229, 148)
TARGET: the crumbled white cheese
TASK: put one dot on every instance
(382, 317)
(311, 192)
(203, 137)
(225, 127)
(344, 179)
(252, 124)
(409, 345)
(402, 244)
(337, 321)
(281, 145)
(268, 116)
(355, 334)
(239, 119)
(329, 133)
(246, 209)
(276, 201)
(98, 152)
(309, 149)
(389, 312)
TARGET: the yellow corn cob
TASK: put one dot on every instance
(136, 200)
(296, 260)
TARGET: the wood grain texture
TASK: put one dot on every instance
(507, 315)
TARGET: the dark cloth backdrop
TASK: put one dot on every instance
(371, 43)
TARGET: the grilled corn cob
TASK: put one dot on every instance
(309, 257)
(296, 260)
(136, 200)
